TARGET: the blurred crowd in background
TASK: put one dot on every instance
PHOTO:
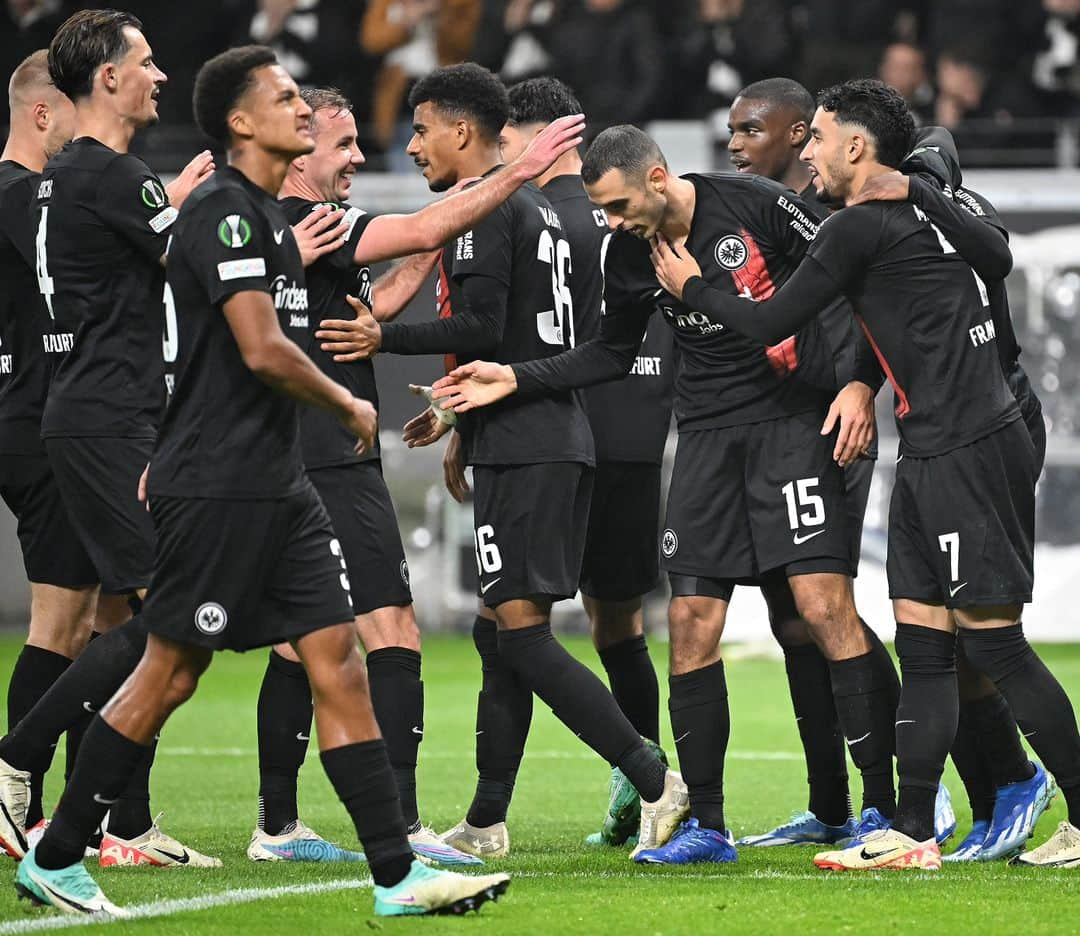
(1004, 75)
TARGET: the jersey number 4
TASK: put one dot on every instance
(556, 326)
(45, 282)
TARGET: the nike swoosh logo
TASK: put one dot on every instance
(899, 458)
(857, 740)
(683, 738)
(484, 588)
(870, 856)
(799, 540)
(179, 859)
(419, 731)
(906, 721)
(300, 736)
(279, 236)
(1029, 734)
(89, 707)
(953, 591)
(98, 798)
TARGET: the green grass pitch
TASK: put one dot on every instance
(206, 782)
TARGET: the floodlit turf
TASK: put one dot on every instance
(206, 783)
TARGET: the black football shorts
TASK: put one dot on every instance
(858, 477)
(363, 517)
(1030, 410)
(745, 500)
(98, 479)
(52, 550)
(239, 574)
(529, 527)
(962, 524)
(621, 556)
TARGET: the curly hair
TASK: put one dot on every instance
(467, 91)
(877, 109)
(541, 100)
(220, 84)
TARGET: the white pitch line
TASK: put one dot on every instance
(160, 908)
(583, 754)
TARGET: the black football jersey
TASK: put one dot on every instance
(29, 344)
(1007, 345)
(748, 235)
(103, 221)
(629, 417)
(226, 433)
(928, 318)
(521, 245)
(330, 279)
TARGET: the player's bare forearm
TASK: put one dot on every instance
(399, 235)
(282, 365)
(397, 287)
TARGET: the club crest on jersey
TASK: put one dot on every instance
(669, 543)
(234, 231)
(731, 252)
(152, 194)
(211, 618)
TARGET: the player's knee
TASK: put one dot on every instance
(181, 685)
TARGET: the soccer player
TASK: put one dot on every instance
(226, 472)
(504, 286)
(1007, 792)
(962, 512)
(755, 487)
(629, 421)
(351, 485)
(63, 581)
(101, 226)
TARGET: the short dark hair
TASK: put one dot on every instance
(31, 75)
(221, 82)
(624, 147)
(541, 100)
(84, 42)
(782, 92)
(880, 110)
(467, 90)
(326, 99)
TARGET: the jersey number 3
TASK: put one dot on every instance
(556, 326)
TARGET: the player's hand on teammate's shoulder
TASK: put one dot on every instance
(478, 383)
(351, 341)
(549, 144)
(321, 232)
(674, 264)
(454, 469)
(889, 186)
(363, 421)
(191, 176)
(853, 409)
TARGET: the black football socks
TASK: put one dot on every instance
(397, 696)
(701, 724)
(1038, 703)
(632, 678)
(84, 687)
(503, 716)
(101, 774)
(364, 781)
(129, 817)
(583, 703)
(866, 709)
(925, 723)
(811, 690)
(34, 672)
(284, 727)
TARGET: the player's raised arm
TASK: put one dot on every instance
(279, 362)
(983, 246)
(398, 235)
